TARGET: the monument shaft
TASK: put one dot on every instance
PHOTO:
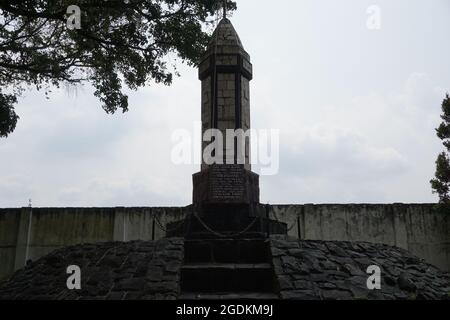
(225, 72)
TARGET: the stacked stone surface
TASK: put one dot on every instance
(319, 270)
(336, 270)
(109, 271)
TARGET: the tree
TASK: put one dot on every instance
(441, 185)
(118, 42)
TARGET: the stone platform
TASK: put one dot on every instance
(275, 268)
(336, 270)
(135, 270)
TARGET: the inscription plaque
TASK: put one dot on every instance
(227, 183)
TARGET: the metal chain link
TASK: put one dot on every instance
(221, 235)
(165, 229)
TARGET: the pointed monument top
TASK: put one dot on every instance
(225, 35)
(225, 39)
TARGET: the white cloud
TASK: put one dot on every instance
(356, 121)
(376, 148)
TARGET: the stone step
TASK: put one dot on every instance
(236, 278)
(228, 296)
(227, 251)
(226, 266)
(228, 269)
(206, 235)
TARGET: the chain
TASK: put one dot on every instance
(164, 229)
(221, 235)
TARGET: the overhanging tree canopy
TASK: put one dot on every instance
(120, 41)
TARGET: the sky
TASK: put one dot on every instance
(356, 109)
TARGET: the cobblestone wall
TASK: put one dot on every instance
(109, 271)
(331, 270)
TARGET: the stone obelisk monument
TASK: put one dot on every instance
(225, 72)
(226, 191)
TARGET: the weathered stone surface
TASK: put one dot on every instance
(109, 271)
(333, 270)
(226, 184)
(225, 71)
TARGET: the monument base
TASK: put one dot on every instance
(226, 204)
(231, 184)
(226, 221)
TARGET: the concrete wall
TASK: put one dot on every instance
(9, 227)
(31, 233)
(421, 229)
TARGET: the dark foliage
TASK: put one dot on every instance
(441, 184)
(119, 42)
